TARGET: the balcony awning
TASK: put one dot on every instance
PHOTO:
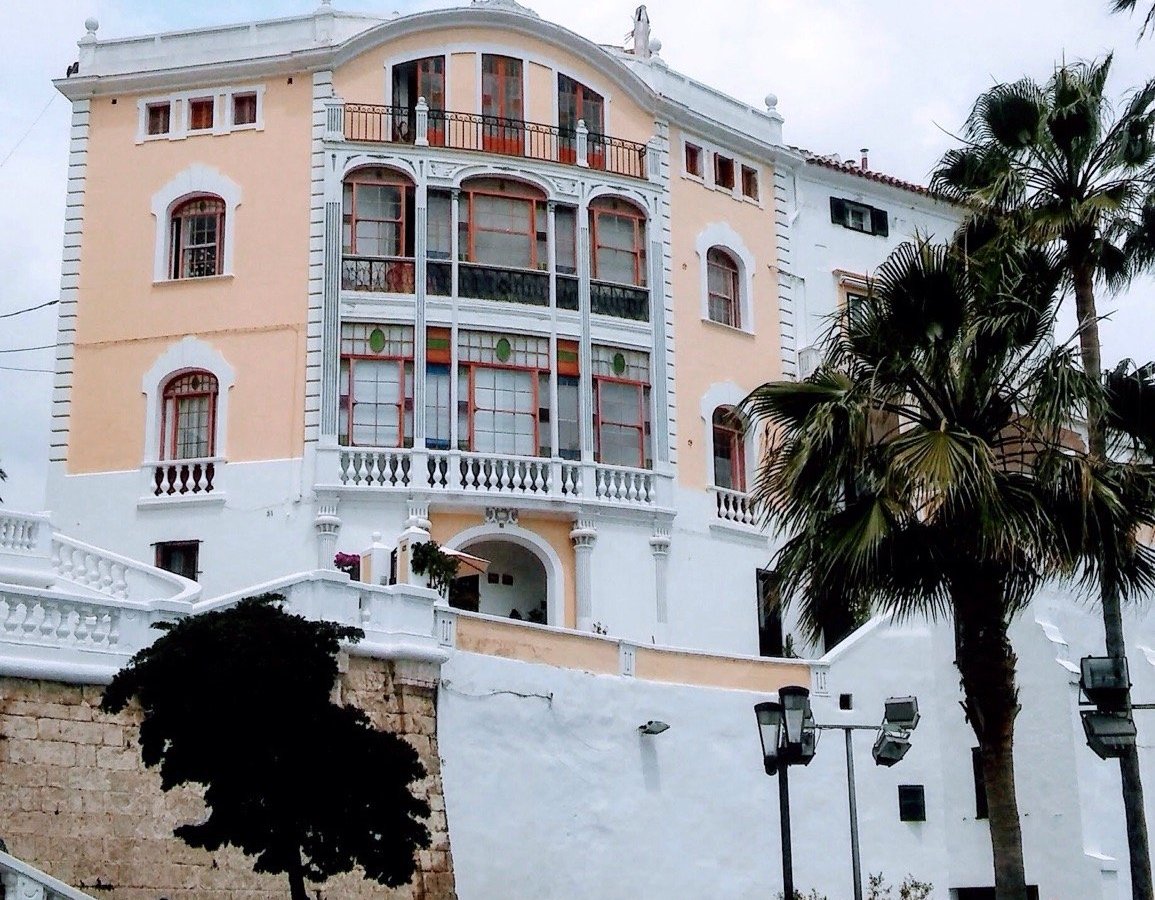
(466, 563)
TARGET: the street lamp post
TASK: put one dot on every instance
(788, 733)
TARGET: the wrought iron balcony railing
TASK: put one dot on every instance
(424, 127)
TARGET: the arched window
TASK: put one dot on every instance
(722, 285)
(197, 236)
(729, 449)
(377, 232)
(618, 242)
(188, 416)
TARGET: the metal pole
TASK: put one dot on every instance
(784, 809)
(855, 862)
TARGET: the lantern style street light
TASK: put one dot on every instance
(789, 737)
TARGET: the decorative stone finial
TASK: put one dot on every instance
(91, 25)
(655, 46)
(771, 102)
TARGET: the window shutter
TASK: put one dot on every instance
(878, 222)
(837, 211)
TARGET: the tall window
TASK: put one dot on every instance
(577, 102)
(722, 288)
(506, 381)
(729, 449)
(502, 223)
(411, 81)
(376, 385)
(618, 242)
(377, 238)
(621, 407)
(188, 419)
(197, 234)
(501, 98)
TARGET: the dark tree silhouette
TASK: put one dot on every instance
(238, 700)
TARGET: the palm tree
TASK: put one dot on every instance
(918, 470)
(1129, 6)
(1058, 165)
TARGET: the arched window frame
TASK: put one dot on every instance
(195, 181)
(189, 394)
(723, 288)
(726, 395)
(189, 355)
(609, 205)
(197, 229)
(722, 237)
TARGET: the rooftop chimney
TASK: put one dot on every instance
(865, 166)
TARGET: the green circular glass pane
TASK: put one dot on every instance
(377, 340)
(619, 363)
(504, 350)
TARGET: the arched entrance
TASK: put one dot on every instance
(516, 585)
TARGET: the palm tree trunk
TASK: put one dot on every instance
(1133, 804)
(986, 662)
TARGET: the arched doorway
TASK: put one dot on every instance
(516, 585)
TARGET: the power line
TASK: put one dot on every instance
(39, 116)
(24, 369)
(29, 309)
(27, 349)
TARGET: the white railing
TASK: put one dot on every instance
(457, 471)
(21, 533)
(180, 478)
(621, 485)
(50, 618)
(24, 882)
(735, 506)
(116, 576)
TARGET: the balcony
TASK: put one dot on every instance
(424, 127)
(182, 480)
(735, 506)
(463, 474)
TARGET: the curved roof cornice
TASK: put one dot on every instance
(506, 19)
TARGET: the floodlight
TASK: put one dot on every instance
(653, 727)
(891, 745)
(1108, 733)
(901, 712)
(1105, 681)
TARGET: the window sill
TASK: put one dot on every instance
(213, 498)
(204, 278)
(727, 328)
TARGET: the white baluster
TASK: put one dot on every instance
(48, 621)
(30, 618)
(64, 626)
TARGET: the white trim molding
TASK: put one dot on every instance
(535, 544)
(178, 103)
(196, 179)
(722, 235)
(189, 353)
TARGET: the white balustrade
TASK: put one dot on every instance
(735, 506)
(621, 485)
(52, 619)
(518, 475)
(375, 468)
(20, 533)
(115, 576)
(179, 478)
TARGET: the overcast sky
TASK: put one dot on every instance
(891, 75)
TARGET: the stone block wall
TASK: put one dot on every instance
(76, 801)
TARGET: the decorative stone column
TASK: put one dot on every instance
(660, 547)
(328, 526)
(418, 516)
(584, 535)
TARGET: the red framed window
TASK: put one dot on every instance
(693, 159)
(200, 113)
(504, 408)
(188, 416)
(618, 242)
(749, 182)
(722, 288)
(197, 238)
(621, 422)
(723, 171)
(377, 215)
(376, 402)
(577, 102)
(412, 80)
(729, 449)
(501, 98)
(502, 224)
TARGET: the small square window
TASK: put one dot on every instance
(749, 182)
(507, 579)
(159, 118)
(179, 557)
(846, 701)
(245, 108)
(911, 803)
(723, 171)
(200, 114)
(492, 578)
(693, 160)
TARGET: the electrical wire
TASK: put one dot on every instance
(28, 349)
(24, 369)
(29, 309)
(39, 116)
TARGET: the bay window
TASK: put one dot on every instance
(376, 386)
(503, 386)
(377, 232)
(621, 407)
(618, 232)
